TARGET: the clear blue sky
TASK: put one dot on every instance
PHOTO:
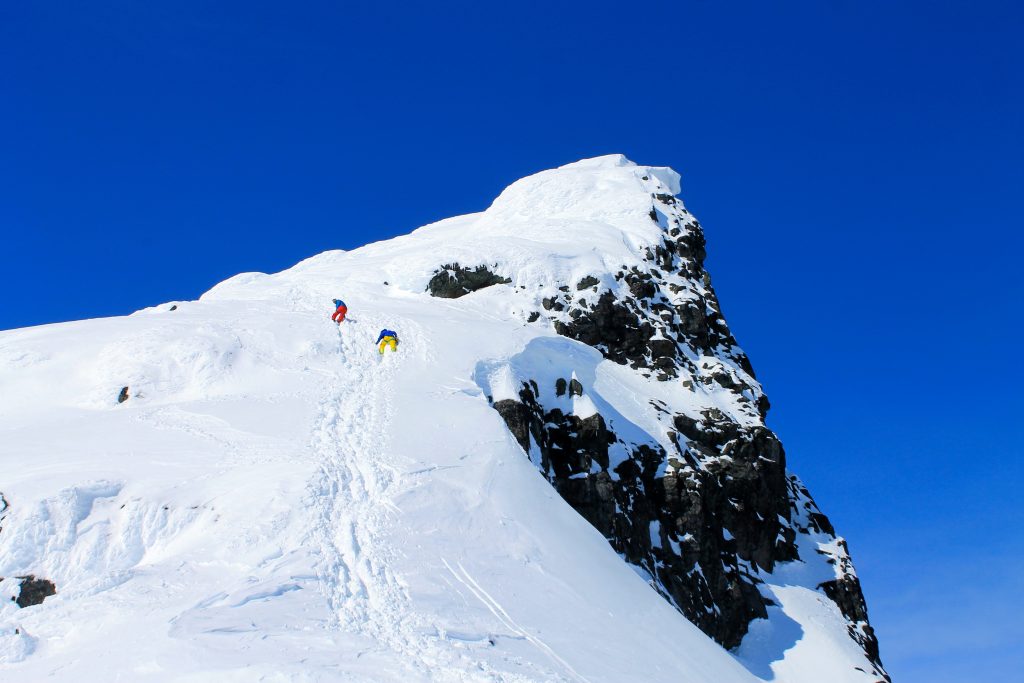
(857, 166)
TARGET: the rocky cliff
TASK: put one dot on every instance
(709, 517)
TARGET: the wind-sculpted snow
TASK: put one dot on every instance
(236, 488)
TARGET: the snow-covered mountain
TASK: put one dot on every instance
(563, 473)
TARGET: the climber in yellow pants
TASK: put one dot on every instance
(387, 338)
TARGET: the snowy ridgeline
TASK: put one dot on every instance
(563, 473)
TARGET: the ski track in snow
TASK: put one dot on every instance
(354, 510)
(351, 496)
(467, 580)
(354, 507)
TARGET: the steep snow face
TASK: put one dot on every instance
(562, 469)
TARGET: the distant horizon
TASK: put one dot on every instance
(856, 170)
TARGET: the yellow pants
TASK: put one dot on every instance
(388, 341)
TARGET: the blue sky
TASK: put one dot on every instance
(857, 167)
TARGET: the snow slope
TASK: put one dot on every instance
(276, 501)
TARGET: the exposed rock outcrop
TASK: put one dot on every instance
(699, 530)
(452, 281)
(33, 591)
(661, 311)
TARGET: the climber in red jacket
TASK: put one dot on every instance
(339, 311)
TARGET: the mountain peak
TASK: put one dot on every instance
(562, 472)
(605, 161)
(608, 190)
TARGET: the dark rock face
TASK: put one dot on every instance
(671, 307)
(672, 523)
(517, 418)
(452, 281)
(123, 396)
(716, 511)
(846, 593)
(34, 591)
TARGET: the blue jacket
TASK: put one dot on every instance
(338, 303)
(387, 333)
